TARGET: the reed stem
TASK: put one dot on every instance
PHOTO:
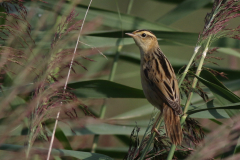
(158, 124)
(130, 4)
(67, 79)
(195, 80)
(188, 66)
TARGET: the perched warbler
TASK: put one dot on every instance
(159, 82)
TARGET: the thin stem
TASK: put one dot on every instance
(183, 118)
(115, 62)
(67, 79)
(195, 79)
(53, 135)
(146, 132)
(150, 139)
(130, 4)
(188, 66)
(171, 152)
(30, 142)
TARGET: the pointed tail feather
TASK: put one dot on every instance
(172, 125)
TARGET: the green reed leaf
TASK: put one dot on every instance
(182, 10)
(104, 89)
(56, 152)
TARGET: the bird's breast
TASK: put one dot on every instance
(149, 93)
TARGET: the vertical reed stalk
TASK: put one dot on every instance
(158, 124)
(183, 118)
(30, 142)
(130, 4)
(188, 66)
(67, 79)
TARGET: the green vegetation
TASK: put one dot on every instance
(103, 113)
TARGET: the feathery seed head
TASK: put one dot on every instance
(144, 39)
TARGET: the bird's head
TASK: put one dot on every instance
(144, 39)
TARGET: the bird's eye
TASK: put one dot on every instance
(144, 35)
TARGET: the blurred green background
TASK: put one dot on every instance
(177, 24)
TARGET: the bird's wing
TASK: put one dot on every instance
(161, 77)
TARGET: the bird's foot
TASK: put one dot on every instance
(155, 130)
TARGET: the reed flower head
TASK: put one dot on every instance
(216, 21)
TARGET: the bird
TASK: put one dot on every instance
(159, 83)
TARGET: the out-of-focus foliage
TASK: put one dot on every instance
(37, 42)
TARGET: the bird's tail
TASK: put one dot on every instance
(172, 125)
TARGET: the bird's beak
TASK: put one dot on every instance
(130, 34)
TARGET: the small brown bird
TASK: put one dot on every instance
(159, 82)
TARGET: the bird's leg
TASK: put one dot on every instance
(154, 129)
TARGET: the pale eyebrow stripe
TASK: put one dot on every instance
(149, 32)
(144, 30)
